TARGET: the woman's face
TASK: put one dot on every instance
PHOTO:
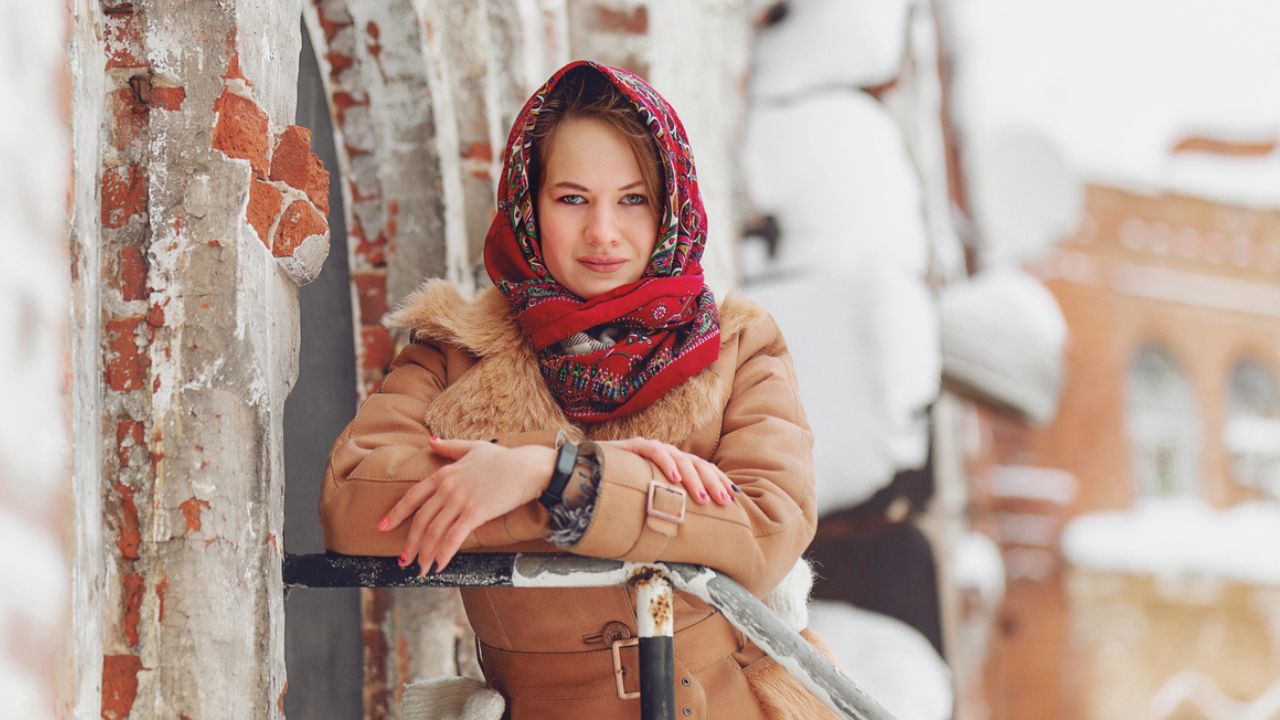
(595, 216)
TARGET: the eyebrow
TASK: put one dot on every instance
(576, 186)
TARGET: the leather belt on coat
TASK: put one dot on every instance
(613, 670)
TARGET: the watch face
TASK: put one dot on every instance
(567, 458)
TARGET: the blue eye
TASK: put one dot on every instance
(634, 199)
(571, 199)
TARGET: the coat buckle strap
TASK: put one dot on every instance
(666, 502)
(619, 671)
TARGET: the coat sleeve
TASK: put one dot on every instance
(765, 448)
(383, 452)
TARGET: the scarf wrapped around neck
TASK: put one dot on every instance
(667, 319)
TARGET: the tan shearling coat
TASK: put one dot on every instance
(471, 374)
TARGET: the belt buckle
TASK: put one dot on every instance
(655, 487)
(616, 647)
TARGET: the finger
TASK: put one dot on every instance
(692, 480)
(659, 455)
(453, 539)
(711, 480)
(421, 521)
(428, 554)
(409, 503)
(453, 449)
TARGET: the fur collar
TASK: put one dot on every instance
(504, 391)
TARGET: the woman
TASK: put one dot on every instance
(599, 349)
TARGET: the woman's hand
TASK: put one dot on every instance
(701, 478)
(484, 482)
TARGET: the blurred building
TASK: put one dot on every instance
(1139, 528)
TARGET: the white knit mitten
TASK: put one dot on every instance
(449, 697)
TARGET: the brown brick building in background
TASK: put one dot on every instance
(1173, 305)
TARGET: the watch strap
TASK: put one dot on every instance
(566, 459)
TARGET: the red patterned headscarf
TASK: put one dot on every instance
(668, 317)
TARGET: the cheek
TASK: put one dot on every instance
(554, 232)
(645, 231)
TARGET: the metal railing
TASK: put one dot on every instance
(654, 584)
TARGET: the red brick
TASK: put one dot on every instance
(129, 538)
(292, 162)
(119, 685)
(299, 222)
(635, 22)
(393, 218)
(132, 430)
(133, 273)
(338, 62)
(374, 46)
(1224, 146)
(330, 26)
(344, 100)
(241, 130)
(377, 347)
(122, 40)
(133, 587)
(126, 366)
(234, 72)
(371, 292)
(168, 98)
(129, 118)
(124, 194)
(191, 508)
(264, 206)
(155, 316)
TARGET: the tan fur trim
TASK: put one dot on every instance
(504, 391)
(780, 695)
(438, 311)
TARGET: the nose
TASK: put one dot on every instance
(602, 228)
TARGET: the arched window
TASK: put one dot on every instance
(1164, 427)
(1252, 432)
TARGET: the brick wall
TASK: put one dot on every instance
(209, 212)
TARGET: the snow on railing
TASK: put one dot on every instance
(654, 583)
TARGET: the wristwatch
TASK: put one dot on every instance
(566, 459)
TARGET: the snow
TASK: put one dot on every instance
(1003, 337)
(826, 43)
(1116, 85)
(1026, 482)
(1195, 689)
(834, 170)
(1179, 538)
(976, 565)
(1024, 195)
(887, 659)
(846, 286)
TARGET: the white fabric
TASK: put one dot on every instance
(790, 599)
(451, 698)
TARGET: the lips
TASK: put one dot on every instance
(602, 263)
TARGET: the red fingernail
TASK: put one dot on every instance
(702, 495)
(383, 523)
(403, 560)
(434, 438)
(677, 474)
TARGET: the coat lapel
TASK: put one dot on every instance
(504, 391)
